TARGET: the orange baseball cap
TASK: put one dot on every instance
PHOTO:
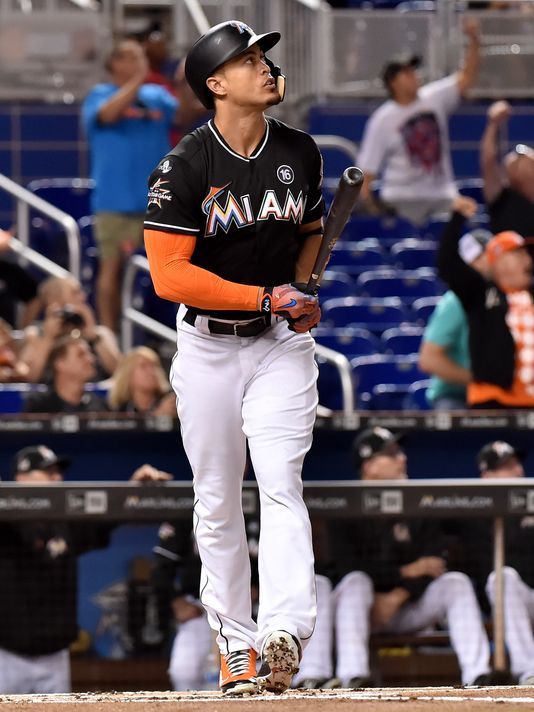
(503, 242)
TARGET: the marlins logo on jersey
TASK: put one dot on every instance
(223, 211)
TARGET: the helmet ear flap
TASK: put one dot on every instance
(278, 77)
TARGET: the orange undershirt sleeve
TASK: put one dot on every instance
(176, 279)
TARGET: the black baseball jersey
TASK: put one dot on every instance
(39, 574)
(245, 211)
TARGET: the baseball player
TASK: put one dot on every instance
(500, 460)
(38, 569)
(233, 225)
(393, 578)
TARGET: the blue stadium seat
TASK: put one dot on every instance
(414, 254)
(329, 385)
(146, 300)
(99, 388)
(388, 396)
(382, 369)
(351, 341)
(472, 187)
(416, 397)
(433, 230)
(417, 6)
(402, 340)
(72, 195)
(423, 308)
(377, 315)
(384, 229)
(406, 284)
(89, 256)
(12, 396)
(356, 257)
(336, 284)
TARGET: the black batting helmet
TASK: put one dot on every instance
(221, 43)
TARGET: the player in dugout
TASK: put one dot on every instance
(392, 576)
(500, 460)
(38, 569)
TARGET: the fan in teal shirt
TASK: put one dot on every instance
(448, 328)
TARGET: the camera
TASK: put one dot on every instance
(71, 317)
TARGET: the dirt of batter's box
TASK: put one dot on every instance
(370, 700)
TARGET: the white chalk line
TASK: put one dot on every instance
(382, 695)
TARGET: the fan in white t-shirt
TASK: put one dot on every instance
(406, 139)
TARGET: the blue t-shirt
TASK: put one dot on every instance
(448, 327)
(123, 154)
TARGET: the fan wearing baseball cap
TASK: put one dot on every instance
(406, 139)
(38, 570)
(500, 313)
(501, 460)
(391, 575)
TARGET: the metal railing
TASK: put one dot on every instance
(25, 200)
(336, 143)
(134, 317)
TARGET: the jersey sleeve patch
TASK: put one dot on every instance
(172, 205)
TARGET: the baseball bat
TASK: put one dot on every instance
(341, 208)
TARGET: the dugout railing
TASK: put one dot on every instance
(90, 503)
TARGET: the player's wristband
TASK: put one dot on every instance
(265, 300)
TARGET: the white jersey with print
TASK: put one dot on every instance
(409, 145)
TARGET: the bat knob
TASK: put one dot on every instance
(353, 175)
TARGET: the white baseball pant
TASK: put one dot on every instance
(449, 598)
(190, 650)
(262, 390)
(30, 674)
(518, 620)
(316, 663)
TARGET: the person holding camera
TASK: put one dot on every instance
(70, 366)
(66, 310)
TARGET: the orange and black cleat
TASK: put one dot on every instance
(238, 673)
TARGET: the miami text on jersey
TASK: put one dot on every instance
(239, 210)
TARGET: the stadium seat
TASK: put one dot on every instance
(385, 229)
(72, 195)
(329, 385)
(402, 340)
(382, 369)
(416, 5)
(12, 396)
(388, 396)
(433, 230)
(351, 341)
(423, 308)
(377, 315)
(409, 285)
(336, 284)
(146, 300)
(99, 388)
(356, 257)
(414, 254)
(89, 256)
(416, 397)
(472, 187)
